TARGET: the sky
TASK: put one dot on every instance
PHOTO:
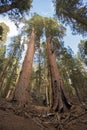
(45, 8)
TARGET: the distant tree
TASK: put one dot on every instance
(39, 59)
(72, 71)
(72, 12)
(3, 59)
(9, 73)
(82, 53)
(46, 76)
(4, 29)
(3, 36)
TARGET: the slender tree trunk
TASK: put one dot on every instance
(9, 80)
(3, 75)
(60, 102)
(39, 73)
(39, 59)
(22, 92)
(46, 83)
(5, 69)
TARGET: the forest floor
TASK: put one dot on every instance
(40, 118)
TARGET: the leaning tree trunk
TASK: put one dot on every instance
(60, 102)
(22, 94)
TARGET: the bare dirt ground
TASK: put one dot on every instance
(40, 118)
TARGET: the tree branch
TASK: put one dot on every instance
(5, 8)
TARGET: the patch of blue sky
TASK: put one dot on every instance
(72, 40)
(43, 7)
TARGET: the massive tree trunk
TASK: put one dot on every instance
(22, 94)
(59, 100)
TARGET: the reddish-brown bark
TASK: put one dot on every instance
(22, 95)
(59, 100)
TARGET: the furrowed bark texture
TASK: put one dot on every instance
(22, 94)
(59, 100)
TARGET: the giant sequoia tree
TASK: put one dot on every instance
(22, 93)
(73, 12)
(83, 51)
(59, 99)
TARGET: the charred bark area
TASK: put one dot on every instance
(22, 91)
(60, 102)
